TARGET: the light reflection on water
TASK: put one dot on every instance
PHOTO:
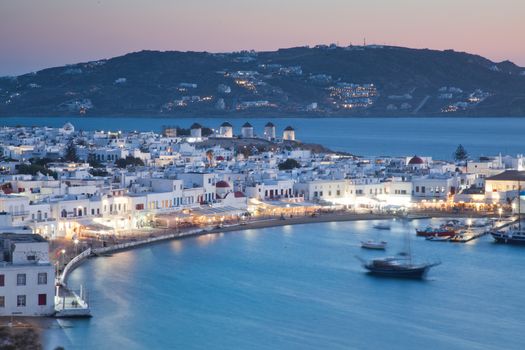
(299, 287)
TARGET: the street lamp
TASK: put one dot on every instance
(63, 251)
(500, 211)
(76, 245)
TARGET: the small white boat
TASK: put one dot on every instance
(381, 245)
(382, 226)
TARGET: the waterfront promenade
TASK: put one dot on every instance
(69, 261)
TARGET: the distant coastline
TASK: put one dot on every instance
(259, 116)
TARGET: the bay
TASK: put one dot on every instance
(299, 287)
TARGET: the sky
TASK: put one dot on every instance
(36, 34)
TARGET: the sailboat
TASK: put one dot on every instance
(400, 266)
(515, 234)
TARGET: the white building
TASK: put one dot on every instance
(269, 131)
(27, 278)
(247, 130)
(226, 130)
(196, 130)
(289, 133)
(271, 189)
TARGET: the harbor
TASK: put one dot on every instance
(334, 280)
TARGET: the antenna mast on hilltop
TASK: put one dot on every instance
(364, 41)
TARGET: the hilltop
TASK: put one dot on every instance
(321, 81)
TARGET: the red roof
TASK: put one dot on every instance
(222, 184)
(219, 158)
(239, 194)
(416, 160)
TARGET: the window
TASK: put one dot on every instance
(31, 257)
(42, 299)
(20, 300)
(42, 278)
(21, 279)
(2, 301)
(2, 280)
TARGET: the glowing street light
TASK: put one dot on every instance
(63, 251)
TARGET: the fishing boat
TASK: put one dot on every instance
(432, 232)
(382, 226)
(377, 245)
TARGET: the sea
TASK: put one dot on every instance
(299, 287)
(433, 137)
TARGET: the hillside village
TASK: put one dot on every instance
(60, 182)
(325, 80)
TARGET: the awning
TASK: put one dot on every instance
(221, 211)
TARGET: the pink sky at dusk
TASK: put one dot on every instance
(40, 34)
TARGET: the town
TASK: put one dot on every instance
(65, 191)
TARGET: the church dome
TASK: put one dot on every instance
(416, 161)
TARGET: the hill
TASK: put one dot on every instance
(324, 80)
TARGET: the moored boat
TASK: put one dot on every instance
(438, 238)
(463, 236)
(512, 236)
(377, 245)
(432, 232)
(382, 226)
(515, 234)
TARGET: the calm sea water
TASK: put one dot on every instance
(437, 137)
(299, 287)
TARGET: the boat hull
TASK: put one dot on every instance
(413, 273)
(506, 239)
(444, 233)
(374, 245)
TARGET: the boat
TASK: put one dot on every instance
(512, 236)
(382, 226)
(515, 234)
(398, 267)
(438, 238)
(377, 245)
(432, 232)
(480, 223)
(463, 236)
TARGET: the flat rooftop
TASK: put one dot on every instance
(22, 238)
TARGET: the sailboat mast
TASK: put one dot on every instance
(519, 204)
(409, 249)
